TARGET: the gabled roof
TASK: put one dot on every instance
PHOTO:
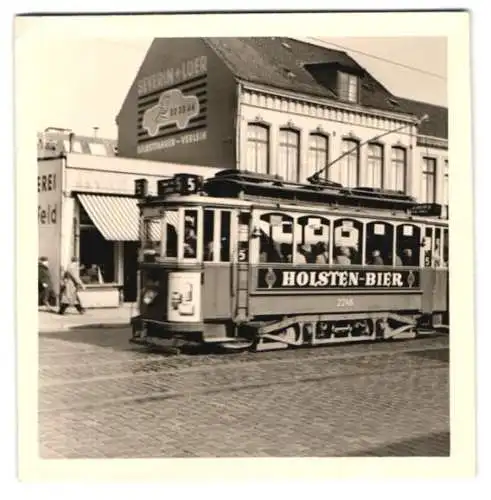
(437, 123)
(282, 63)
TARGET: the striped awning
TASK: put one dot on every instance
(116, 217)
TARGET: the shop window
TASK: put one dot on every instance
(97, 262)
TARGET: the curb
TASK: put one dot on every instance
(83, 326)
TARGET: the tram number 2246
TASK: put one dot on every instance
(345, 302)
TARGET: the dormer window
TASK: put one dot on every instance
(347, 87)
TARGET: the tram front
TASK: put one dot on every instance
(170, 264)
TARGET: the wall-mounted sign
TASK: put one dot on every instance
(169, 77)
(172, 107)
(49, 216)
(308, 279)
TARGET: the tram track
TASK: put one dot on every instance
(172, 394)
(203, 378)
(235, 363)
(77, 368)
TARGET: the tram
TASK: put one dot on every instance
(248, 261)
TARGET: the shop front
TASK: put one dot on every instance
(89, 212)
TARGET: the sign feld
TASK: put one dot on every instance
(49, 216)
(334, 279)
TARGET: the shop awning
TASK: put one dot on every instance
(116, 217)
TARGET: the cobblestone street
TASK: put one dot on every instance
(101, 397)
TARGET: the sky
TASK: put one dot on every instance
(74, 71)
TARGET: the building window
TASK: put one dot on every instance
(348, 87)
(346, 170)
(318, 154)
(445, 185)
(375, 166)
(258, 148)
(428, 180)
(396, 179)
(289, 153)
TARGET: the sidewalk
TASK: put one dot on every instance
(93, 318)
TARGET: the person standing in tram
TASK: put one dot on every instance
(70, 287)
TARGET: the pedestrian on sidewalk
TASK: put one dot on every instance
(45, 283)
(71, 284)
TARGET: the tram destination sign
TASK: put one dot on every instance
(427, 210)
(271, 278)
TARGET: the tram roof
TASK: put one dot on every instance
(245, 189)
(253, 186)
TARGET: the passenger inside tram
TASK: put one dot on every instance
(322, 253)
(343, 256)
(376, 259)
(190, 240)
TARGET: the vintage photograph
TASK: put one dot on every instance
(243, 247)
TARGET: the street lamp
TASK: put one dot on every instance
(315, 178)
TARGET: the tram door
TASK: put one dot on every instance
(221, 255)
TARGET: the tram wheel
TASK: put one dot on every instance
(236, 345)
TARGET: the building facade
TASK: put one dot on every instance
(87, 209)
(283, 107)
(199, 105)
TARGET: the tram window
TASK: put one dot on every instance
(225, 236)
(208, 233)
(190, 232)
(313, 240)
(151, 235)
(276, 238)
(408, 247)
(348, 240)
(428, 247)
(437, 250)
(445, 248)
(379, 243)
(243, 247)
(170, 233)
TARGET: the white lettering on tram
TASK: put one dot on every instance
(315, 279)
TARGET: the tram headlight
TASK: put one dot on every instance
(149, 296)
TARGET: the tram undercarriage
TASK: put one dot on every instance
(297, 331)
